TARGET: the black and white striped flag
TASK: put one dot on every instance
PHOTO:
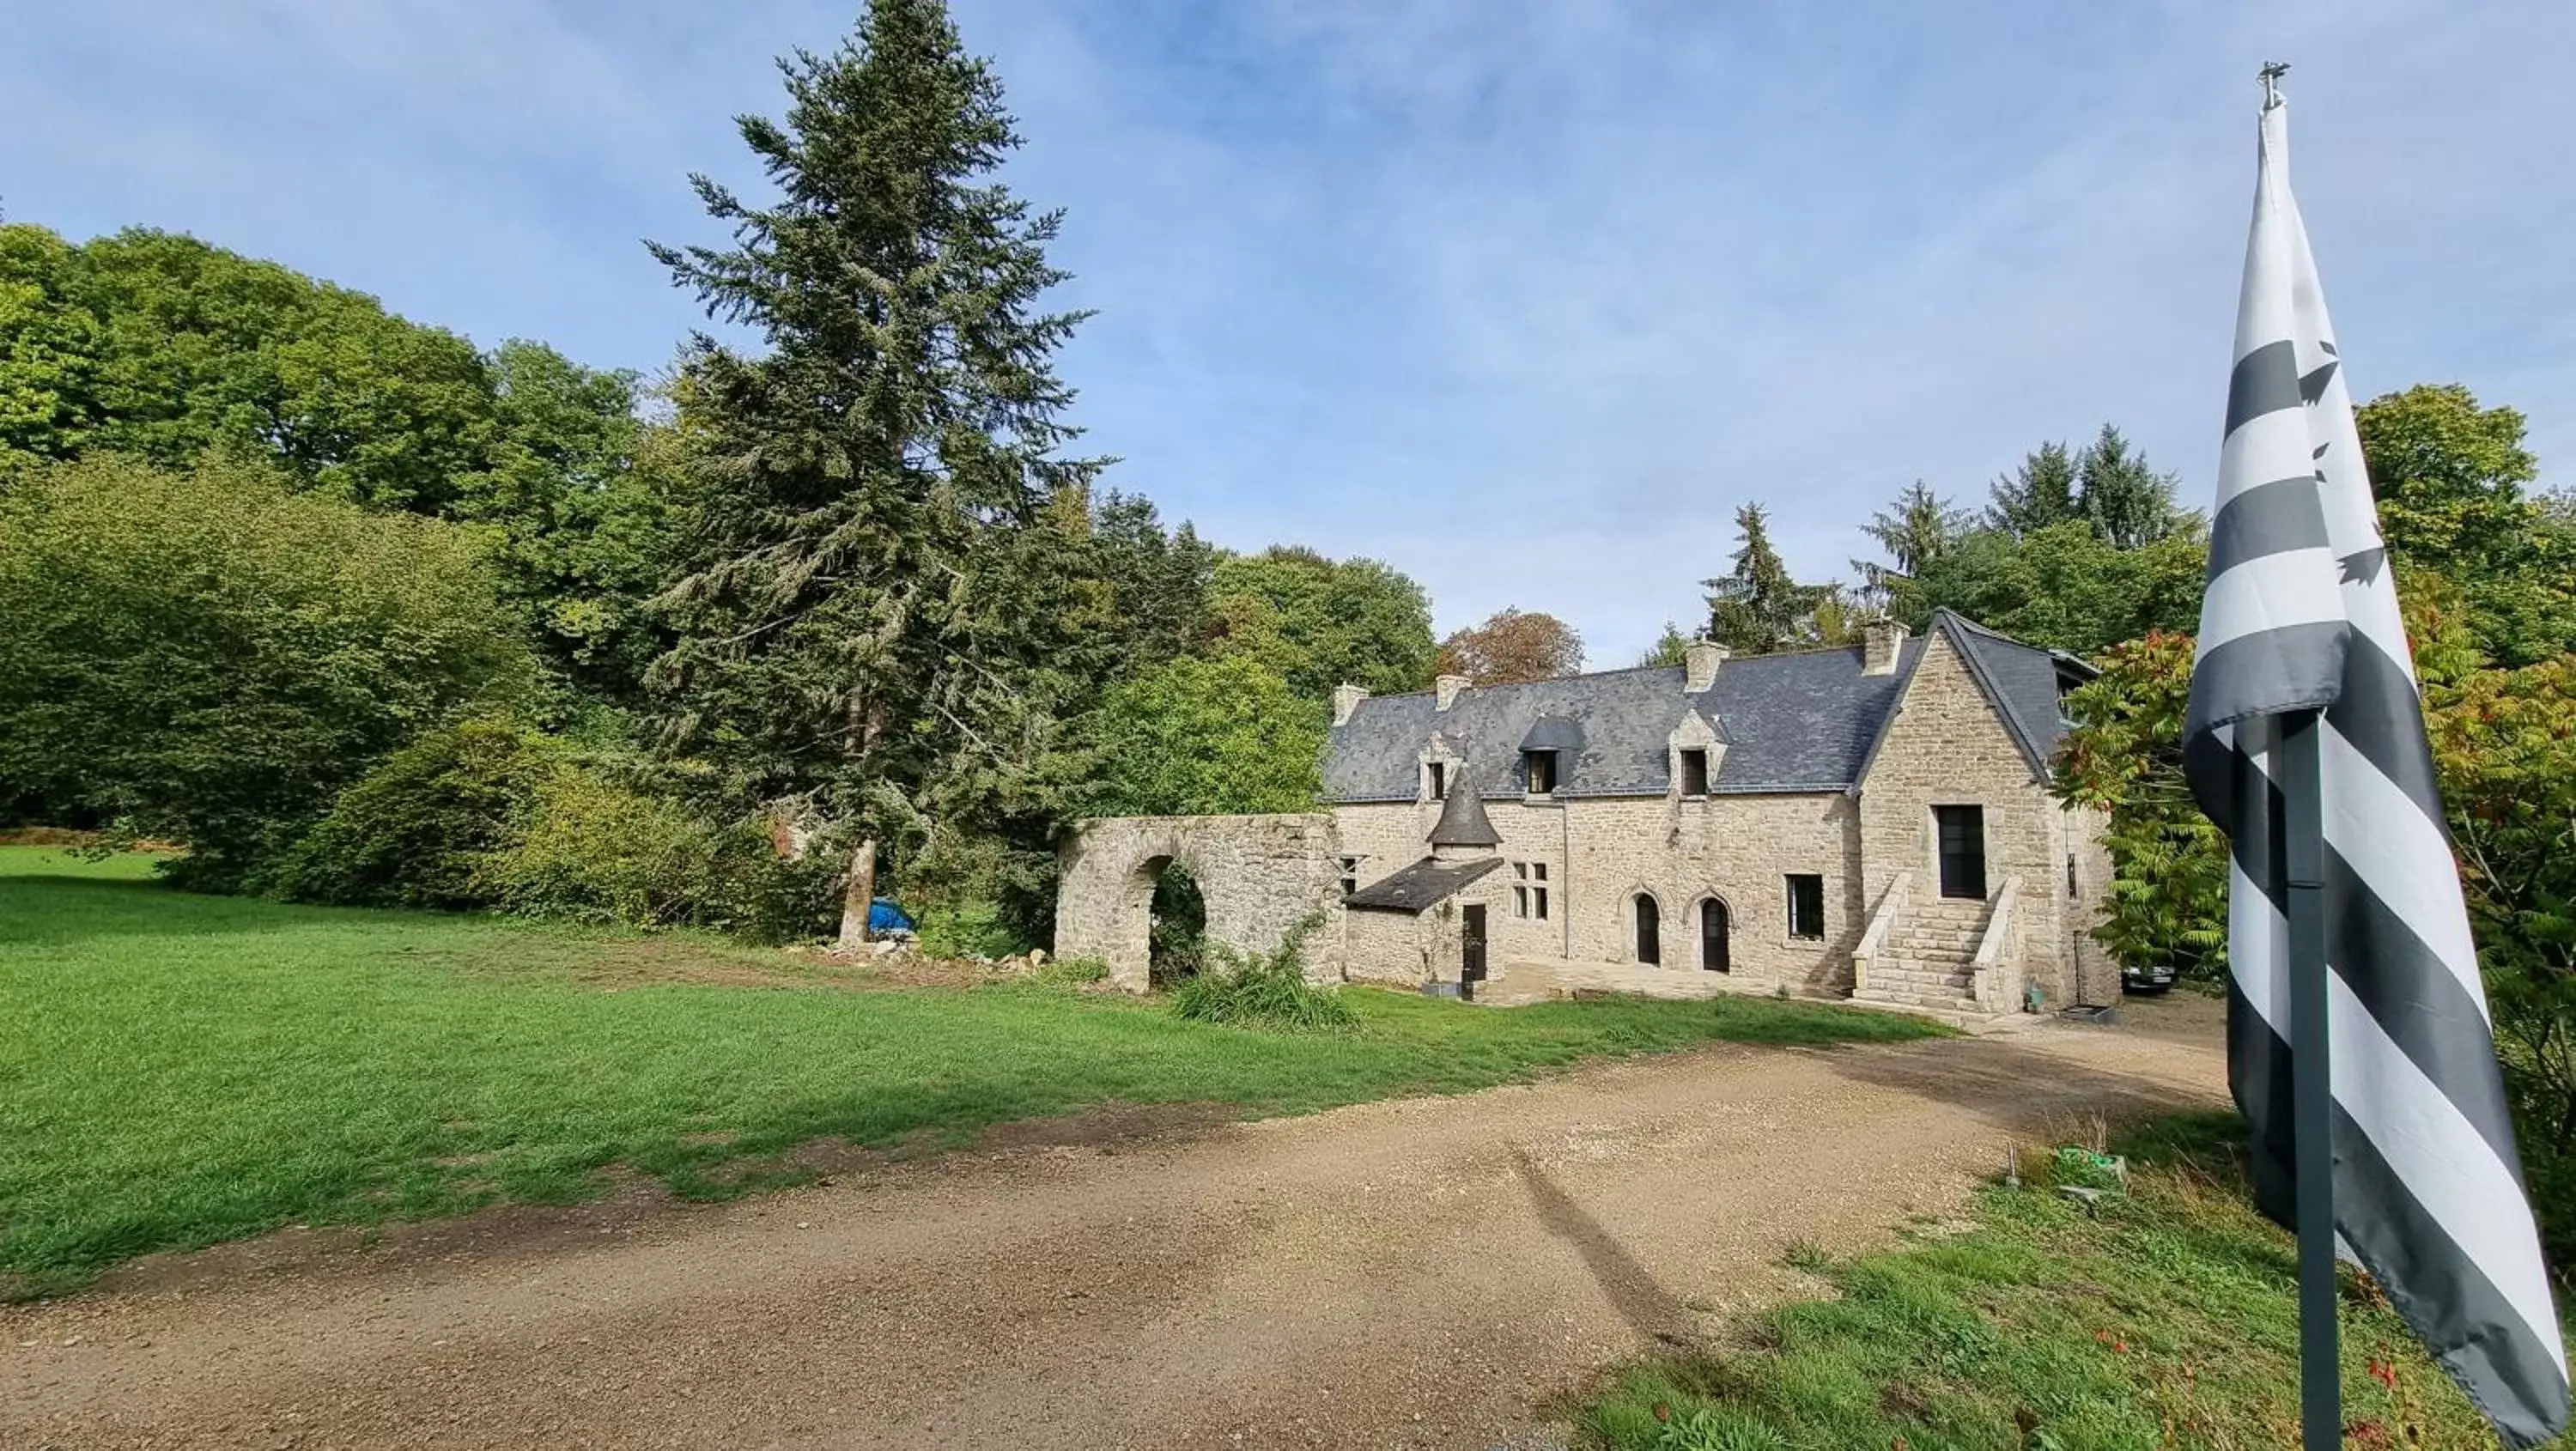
(2301, 613)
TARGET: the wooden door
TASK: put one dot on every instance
(1471, 949)
(1712, 935)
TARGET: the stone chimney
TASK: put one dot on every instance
(1346, 698)
(1449, 686)
(1699, 665)
(1880, 641)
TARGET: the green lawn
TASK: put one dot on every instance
(177, 1070)
(2169, 1319)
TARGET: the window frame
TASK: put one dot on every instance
(1532, 767)
(1529, 891)
(1694, 760)
(1790, 883)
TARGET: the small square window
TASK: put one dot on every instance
(1541, 768)
(1694, 773)
(1806, 905)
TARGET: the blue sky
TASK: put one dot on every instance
(1522, 297)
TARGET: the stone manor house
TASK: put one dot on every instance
(1868, 822)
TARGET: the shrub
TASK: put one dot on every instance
(1263, 990)
(597, 849)
(1075, 971)
(968, 930)
(207, 658)
(414, 831)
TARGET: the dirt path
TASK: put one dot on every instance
(1422, 1273)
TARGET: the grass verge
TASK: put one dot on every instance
(2166, 1319)
(177, 1070)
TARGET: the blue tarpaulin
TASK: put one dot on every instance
(885, 916)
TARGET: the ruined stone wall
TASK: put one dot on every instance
(1947, 747)
(1259, 875)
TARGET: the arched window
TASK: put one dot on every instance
(1712, 935)
(1650, 948)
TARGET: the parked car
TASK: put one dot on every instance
(2147, 981)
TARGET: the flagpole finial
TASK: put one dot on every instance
(2271, 77)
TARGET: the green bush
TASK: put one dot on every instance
(1263, 990)
(414, 831)
(968, 930)
(597, 849)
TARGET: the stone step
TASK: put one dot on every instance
(1928, 961)
(1934, 941)
(1922, 981)
(1938, 1005)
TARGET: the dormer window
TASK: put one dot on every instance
(1540, 767)
(1435, 780)
(1694, 772)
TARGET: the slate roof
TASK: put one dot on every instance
(1463, 821)
(1806, 721)
(1420, 885)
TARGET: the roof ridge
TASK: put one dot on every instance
(1642, 669)
(1542, 680)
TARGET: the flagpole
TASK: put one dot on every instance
(2302, 789)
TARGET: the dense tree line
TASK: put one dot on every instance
(356, 611)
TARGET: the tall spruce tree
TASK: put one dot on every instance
(879, 488)
(2126, 501)
(1918, 527)
(1757, 608)
(2039, 493)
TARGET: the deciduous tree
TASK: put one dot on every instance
(1202, 737)
(209, 657)
(1513, 644)
(2453, 482)
(1318, 622)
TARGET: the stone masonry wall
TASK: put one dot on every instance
(1947, 747)
(1258, 874)
(1600, 853)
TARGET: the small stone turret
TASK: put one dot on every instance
(1464, 829)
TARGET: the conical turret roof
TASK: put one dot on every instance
(1462, 818)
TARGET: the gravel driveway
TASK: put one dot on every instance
(1417, 1273)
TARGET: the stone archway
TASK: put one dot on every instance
(1258, 875)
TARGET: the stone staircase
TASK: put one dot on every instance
(1927, 960)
